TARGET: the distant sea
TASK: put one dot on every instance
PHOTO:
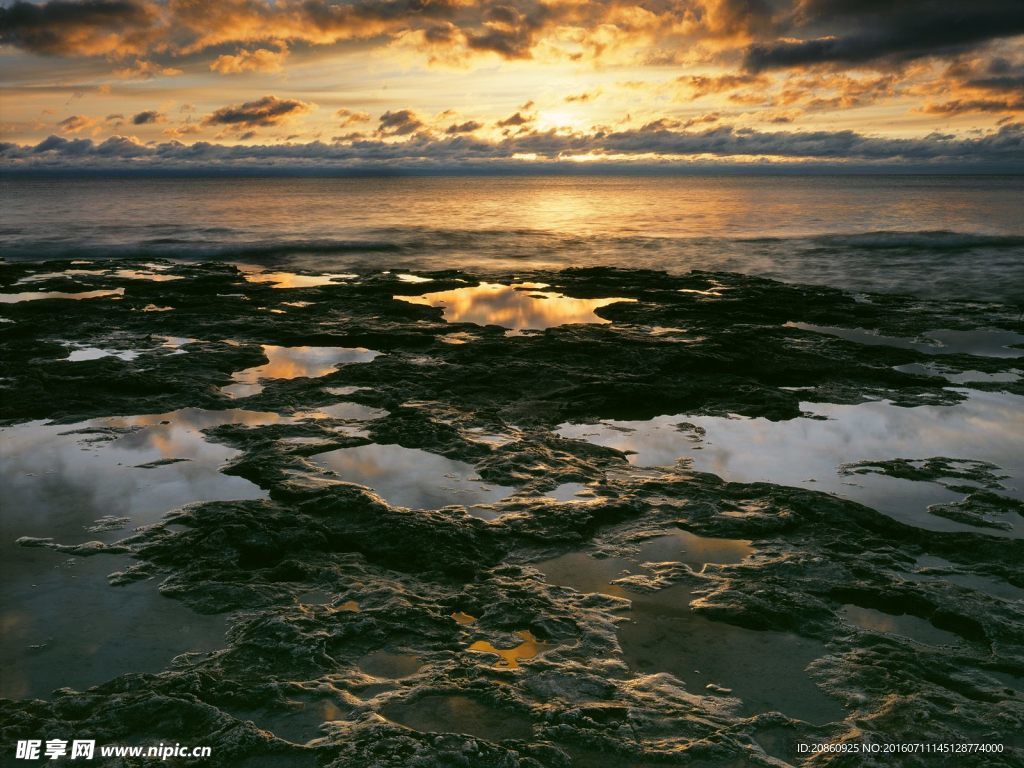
(936, 236)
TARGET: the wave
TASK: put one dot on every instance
(193, 250)
(198, 245)
(935, 240)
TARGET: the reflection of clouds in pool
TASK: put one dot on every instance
(987, 426)
(517, 306)
(294, 363)
(407, 477)
(58, 479)
(983, 342)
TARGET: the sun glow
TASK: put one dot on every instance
(559, 120)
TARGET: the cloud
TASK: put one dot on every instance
(964, 106)
(1001, 148)
(147, 117)
(702, 85)
(257, 60)
(269, 110)
(76, 124)
(773, 34)
(517, 119)
(449, 30)
(400, 123)
(88, 28)
(854, 32)
(467, 127)
(349, 117)
(146, 70)
(180, 131)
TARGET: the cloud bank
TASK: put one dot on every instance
(653, 144)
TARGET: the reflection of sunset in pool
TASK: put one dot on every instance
(295, 363)
(293, 279)
(14, 298)
(517, 306)
(509, 657)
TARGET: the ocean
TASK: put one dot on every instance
(939, 236)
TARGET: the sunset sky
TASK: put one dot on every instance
(456, 84)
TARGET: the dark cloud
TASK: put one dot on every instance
(965, 106)
(269, 110)
(1002, 148)
(90, 27)
(701, 85)
(511, 30)
(998, 74)
(861, 31)
(785, 33)
(76, 123)
(467, 127)
(349, 117)
(517, 119)
(399, 123)
(147, 117)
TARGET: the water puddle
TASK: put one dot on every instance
(302, 721)
(176, 343)
(457, 713)
(963, 377)
(693, 550)
(509, 658)
(933, 568)
(95, 353)
(921, 630)
(765, 669)
(58, 478)
(393, 666)
(586, 573)
(292, 279)
(519, 306)
(40, 277)
(408, 477)
(142, 274)
(457, 338)
(88, 482)
(664, 635)
(981, 342)
(807, 452)
(345, 410)
(493, 439)
(295, 363)
(570, 492)
(65, 626)
(14, 298)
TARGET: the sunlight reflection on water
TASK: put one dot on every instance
(517, 306)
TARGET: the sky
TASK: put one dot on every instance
(512, 86)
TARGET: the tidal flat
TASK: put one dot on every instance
(579, 517)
